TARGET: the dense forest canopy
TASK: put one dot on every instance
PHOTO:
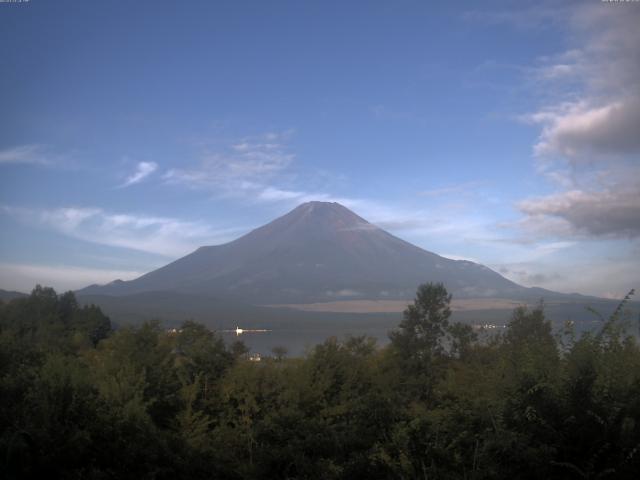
(79, 399)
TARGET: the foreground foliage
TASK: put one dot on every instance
(80, 400)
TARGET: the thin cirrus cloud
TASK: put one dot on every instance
(241, 168)
(24, 154)
(540, 16)
(252, 169)
(143, 170)
(295, 197)
(169, 237)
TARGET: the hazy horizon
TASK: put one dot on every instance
(507, 135)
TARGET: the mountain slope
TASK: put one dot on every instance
(7, 295)
(318, 252)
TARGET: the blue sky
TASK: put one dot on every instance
(507, 133)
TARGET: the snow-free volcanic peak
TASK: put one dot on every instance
(319, 251)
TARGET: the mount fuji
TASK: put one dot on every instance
(318, 252)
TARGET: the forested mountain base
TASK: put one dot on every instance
(80, 400)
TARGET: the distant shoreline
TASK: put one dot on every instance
(397, 306)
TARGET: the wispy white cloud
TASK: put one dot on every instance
(161, 235)
(23, 277)
(277, 194)
(542, 15)
(243, 168)
(25, 154)
(528, 275)
(464, 258)
(294, 197)
(557, 71)
(257, 169)
(143, 170)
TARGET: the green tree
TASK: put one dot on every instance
(461, 338)
(420, 335)
(418, 344)
(201, 352)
